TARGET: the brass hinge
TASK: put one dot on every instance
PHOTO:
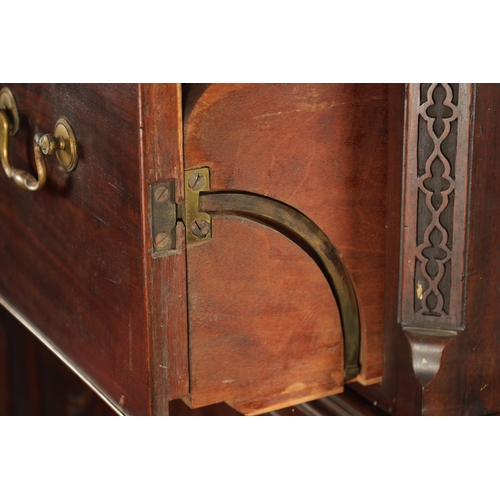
(163, 218)
(165, 212)
(198, 224)
(196, 213)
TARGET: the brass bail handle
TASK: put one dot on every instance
(62, 143)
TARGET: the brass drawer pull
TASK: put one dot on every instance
(62, 143)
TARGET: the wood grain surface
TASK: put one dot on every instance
(467, 383)
(323, 150)
(399, 392)
(33, 381)
(76, 258)
(71, 254)
(467, 380)
(165, 277)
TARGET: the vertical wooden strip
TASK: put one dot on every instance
(400, 392)
(160, 122)
(410, 203)
(4, 373)
(33, 373)
(460, 220)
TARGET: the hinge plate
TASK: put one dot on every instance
(165, 213)
(198, 224)
(163, 218)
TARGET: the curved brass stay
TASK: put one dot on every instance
(62, 143)
(305, 233)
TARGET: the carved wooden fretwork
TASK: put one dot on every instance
(435, 212)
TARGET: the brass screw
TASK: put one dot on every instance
(162, 240)
(161, 194)
(200, 228)
(196, 182)
(48, 144)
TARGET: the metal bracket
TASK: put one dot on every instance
(164, 218)
(165, 212)
(197, 210)
(198, 224)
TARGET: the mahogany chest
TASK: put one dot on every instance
(259, 245)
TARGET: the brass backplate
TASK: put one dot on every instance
(198, 224)
(8, 103)
(68, 157)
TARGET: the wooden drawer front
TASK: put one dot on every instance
(71, 253)
(82, 266)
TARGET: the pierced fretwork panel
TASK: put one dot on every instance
(435, 205)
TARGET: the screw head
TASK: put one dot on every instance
(48, 144)
(196, 182)
(162, 194)
(200, 228)
(162, 240)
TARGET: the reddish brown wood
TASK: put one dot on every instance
(308, 146)
(433, 270)
(82, 272)
(249, 348)
(75, 260)
(4, 370)
(21, 395)
(399, 391)
(468, 380)
(71, 255)
(165, 277)
(37, 382)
